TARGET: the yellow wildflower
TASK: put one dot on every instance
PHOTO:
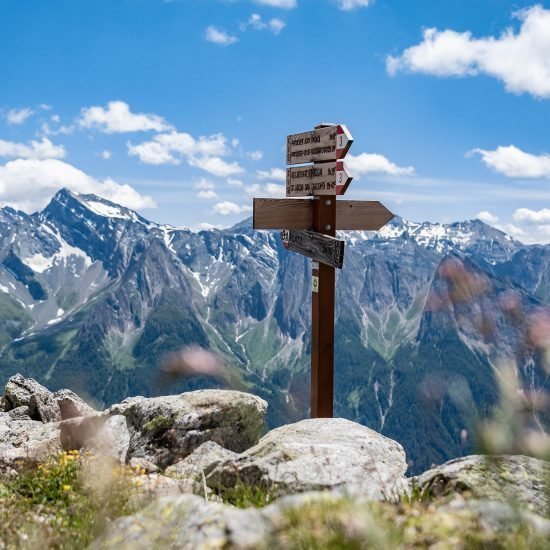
(66, 488)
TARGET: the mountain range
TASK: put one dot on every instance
(93, 297)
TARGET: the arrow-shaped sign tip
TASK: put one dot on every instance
(344, 141)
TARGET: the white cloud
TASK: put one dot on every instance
(117, 119)
(234, 182)
(519, 60)
(18, 116)
(47, 131)
(205, 189)
(219, 36)
(173, 147)
(256, 22)
(216, 166)
(227, 208)
(106, 155)
(35, 150)
(515, 163)
(487, 217)
(253, 189)
(277, 174)
(207, 195)
(255, 155)
(29, 185)
(371, 163)
(532, 217)
(205, 226)
(204, 184)
(515, 231)
(348, 5)
(275, 190)
(285, 4)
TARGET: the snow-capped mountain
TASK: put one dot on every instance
(92, 296)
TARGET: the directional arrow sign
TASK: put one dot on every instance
(298, 214)
(327, 178)
(322, 144)
(317, 246)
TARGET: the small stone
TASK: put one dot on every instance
(21, 413)
(200, 462)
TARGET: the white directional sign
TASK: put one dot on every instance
(326, 178)
(322, 144)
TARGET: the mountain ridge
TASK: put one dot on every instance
(114, 293)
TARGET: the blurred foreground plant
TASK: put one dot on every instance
(64, 502)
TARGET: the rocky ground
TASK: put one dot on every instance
(192, 471)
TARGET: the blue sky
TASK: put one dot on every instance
(180, 109)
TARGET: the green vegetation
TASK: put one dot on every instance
(341, 524)
(159, 423)
(14, 320)
(242, 495)
(63, 503)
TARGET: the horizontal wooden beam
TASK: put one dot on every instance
(298, 214)
(283, 214)
(321, 248)
(362, 215)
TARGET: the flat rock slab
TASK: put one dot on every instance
(516, 479)
(200, 462)
(318, 454)
(186, 522)
(164, 430)
(320, 520)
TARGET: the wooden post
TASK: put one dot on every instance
(309, 228)
(322, 316)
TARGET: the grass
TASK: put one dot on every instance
(248, 496)
(64, 503)
(341, 524)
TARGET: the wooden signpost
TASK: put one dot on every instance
(326, 178)
(309, 228)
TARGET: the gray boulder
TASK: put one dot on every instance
(200, 463)
(163, 430)
(26, 441)
(186, 522)
(318, 454)
(42, 404)
(71, 405)
(19, 391)
(520, 480)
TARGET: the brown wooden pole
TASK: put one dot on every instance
(322, 337)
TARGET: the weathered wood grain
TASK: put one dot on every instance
(324, 178)
(282, 214)
(322, 144)
(313, 146)
(361, 215)
(319, 247)
(298, 214)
